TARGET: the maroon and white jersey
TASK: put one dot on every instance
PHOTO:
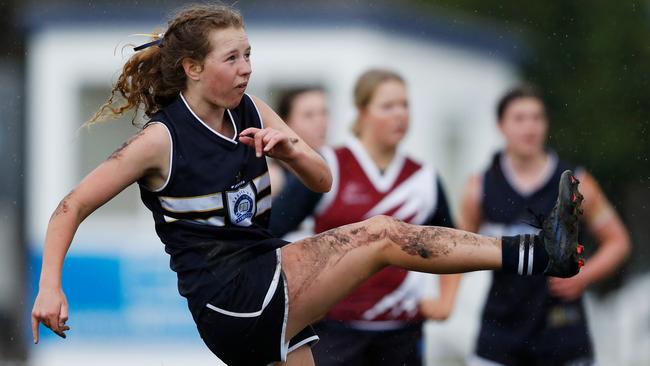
(406, 190)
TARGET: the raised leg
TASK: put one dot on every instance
(323, 269)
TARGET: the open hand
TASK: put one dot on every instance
(270, 142)
(51, 309)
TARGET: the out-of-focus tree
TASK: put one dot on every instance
(592, 61)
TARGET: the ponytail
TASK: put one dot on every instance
(135, 86)
(153, 77)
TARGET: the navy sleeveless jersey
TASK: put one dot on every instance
(520, 304)
(212, 214)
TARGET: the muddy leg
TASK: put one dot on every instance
(323, 269)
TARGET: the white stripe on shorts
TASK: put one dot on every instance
(267, 298)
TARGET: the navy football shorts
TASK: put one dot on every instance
(245, 323)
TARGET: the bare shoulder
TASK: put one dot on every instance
(142, 156)
(148, 143)
(259, 102)
(270, 118)
(261, 105)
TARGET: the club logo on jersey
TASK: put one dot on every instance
(241, 205)
(243, 208)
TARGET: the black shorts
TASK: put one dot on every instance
(342, 345)
(245, 323)
(559, 346)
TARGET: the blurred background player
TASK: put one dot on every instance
(381, 322)
(305, 110)
(541, 322)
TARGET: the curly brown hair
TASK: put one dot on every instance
(154, 76)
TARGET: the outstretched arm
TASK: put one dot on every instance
(278, 141)
(144, 156)
(612, 238)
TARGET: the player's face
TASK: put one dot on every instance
(386, 118)
(227, 68)
(524, 126)
(309, 118)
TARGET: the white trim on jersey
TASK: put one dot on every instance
(259, 115)
(169, 219)
(209, 202)
(232, 120)
(212, 221)
(509, 174)
(381, 182)
(262, 182)
(171, 156)
(267, 298)
(326, 200)
(264, 205)
(416, 197)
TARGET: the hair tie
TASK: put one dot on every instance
(156, 42)
(148, 44)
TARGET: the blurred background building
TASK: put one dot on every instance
(58, 61)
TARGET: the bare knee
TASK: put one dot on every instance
(381, 221)
(376, 228)
(381, 230)
(411, 239)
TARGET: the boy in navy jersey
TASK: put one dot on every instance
(537, 321)
(200, 166)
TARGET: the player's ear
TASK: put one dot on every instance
(192, 68)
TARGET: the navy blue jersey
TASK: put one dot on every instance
(212, 214)
(520, 305)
